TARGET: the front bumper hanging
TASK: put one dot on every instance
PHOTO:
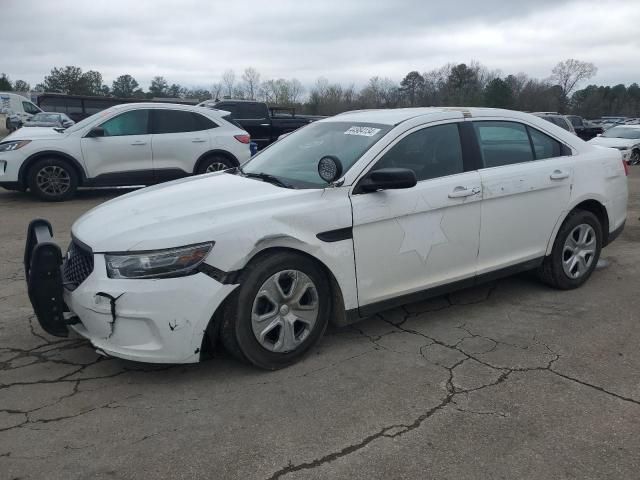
(42, 266)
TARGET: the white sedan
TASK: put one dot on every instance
(130, 144)
(343, 218)
(625, 138)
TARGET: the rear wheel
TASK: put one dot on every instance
(576, 251)
(52, 179)
(214, 163)
(635, 158)
(280, 310)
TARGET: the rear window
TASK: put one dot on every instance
(179, 121)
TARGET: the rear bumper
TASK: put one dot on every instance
(147, 320)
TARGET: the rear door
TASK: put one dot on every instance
(526, 182)
(254, 118)
(123, 155)
(412, 239)
(180, 138)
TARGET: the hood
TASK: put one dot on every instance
(183, 212)
(34, 133)
(614, 142)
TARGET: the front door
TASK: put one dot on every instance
(410, 240)
(123, 155)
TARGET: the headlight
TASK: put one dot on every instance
(15, 145)
(173, 262)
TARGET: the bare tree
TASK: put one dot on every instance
(295, 90)
(216, 90)
(569, 73)
(228, 79)
(251, 79)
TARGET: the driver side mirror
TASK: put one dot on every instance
(387, 179)
(96, 132)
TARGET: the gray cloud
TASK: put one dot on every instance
(193, 42)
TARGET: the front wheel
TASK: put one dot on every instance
(279, 311)
(576, 251)
(635, 158)
(52, 179)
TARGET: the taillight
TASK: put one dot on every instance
(243, 138)
(626, 167)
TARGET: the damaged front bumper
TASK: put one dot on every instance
(147, 320)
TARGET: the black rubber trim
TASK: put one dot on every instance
(42, 266)
(26, 165)
(615, 234)
(10, 185)
(471, 155)
(336, 235)
(226, 278)
(377, 307)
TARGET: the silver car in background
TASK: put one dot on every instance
(49, 119)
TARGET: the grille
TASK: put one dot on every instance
(77, 267)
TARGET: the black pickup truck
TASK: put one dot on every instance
(584, 128)
(264, 124)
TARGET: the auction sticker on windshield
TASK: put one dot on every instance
(362, 131)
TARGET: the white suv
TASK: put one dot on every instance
(132, 144)
(341, 219)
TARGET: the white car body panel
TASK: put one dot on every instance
(104, 155)
(404, 241)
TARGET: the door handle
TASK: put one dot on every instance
(460, 192)
(198, 140)
(559, 175)
(139, 142)
(265, 124)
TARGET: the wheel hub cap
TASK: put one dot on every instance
(579, 251)
(284, 311)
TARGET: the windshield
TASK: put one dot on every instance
(83, 123)
(45, 117)
(622, 132)
(294, 159)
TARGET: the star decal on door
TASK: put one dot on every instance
(422, 231)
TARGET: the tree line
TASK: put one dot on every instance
(462, 84)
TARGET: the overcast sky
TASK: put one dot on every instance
(193, 42)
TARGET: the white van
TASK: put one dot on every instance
(17, 108)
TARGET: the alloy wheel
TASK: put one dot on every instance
(579, 251)
(216, 167)
(53, 180)
(285, 311)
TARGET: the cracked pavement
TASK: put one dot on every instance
(507, 380)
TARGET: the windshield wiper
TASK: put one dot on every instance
(266, 177)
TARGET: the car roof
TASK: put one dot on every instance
(395, 116)
(172, 106)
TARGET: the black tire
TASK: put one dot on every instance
(236, 330)
(552, 271)
(67, 173)
(216, 162)
(635, 157)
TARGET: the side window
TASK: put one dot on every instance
(503, 143)
(204, 123)
(177, 121)
(576, 121)
(30, 108)
(544, 146)
(251, 111)
(133, 122)
(431, 152)
(229, 107)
